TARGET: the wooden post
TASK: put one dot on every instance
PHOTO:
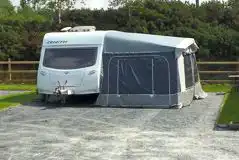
(10, 69)
(237, 69)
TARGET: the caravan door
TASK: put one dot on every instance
(138, 80)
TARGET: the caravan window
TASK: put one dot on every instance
(195, 68)
(69, 58)
(188, 71)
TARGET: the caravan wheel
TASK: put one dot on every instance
(44, 98)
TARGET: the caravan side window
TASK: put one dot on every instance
(69, 58)
(195, 68)
(188, 71)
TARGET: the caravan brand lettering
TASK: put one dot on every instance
(56, 42)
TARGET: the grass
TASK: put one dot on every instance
(230, 109)
(18, 87)
(216, 87)
(16, 99)
(19, 98)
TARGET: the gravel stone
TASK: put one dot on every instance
(37, 132)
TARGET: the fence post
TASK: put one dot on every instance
(237, 65)
(10, 69)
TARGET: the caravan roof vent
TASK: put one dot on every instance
(66, 29)
(79, 29)
(82, 29)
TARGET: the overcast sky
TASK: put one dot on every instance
(97, 3)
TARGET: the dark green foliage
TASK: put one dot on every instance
(5, 3)
(214, 25)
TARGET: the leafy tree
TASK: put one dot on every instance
(5, 3)
(214, 25)
(5, 7)
(57, 6)
(9, 45)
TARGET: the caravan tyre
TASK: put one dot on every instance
(44, 98)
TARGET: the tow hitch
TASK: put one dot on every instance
(61, 92)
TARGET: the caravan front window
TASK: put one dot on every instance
(69, 58)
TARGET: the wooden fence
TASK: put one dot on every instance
(26, 71)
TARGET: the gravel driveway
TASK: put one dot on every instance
(70, 133)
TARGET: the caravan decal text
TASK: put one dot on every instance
(56, 42)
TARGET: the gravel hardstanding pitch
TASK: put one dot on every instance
(72, 133)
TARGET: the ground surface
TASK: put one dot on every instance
(230, 111)
(70, 133)
(18, 87)
(14, 98)
(4, 92)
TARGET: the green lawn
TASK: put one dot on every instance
(16, 99)
(230, 110)
(17, 87)
(230, 107)
(216, 87)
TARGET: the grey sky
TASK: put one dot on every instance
(97, 3)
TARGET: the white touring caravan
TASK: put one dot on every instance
(69, 63)
(124, 69)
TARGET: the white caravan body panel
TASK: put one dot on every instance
(64, 57)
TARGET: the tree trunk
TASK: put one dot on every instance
(237, 69)
(59, 11)
(197, 3)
